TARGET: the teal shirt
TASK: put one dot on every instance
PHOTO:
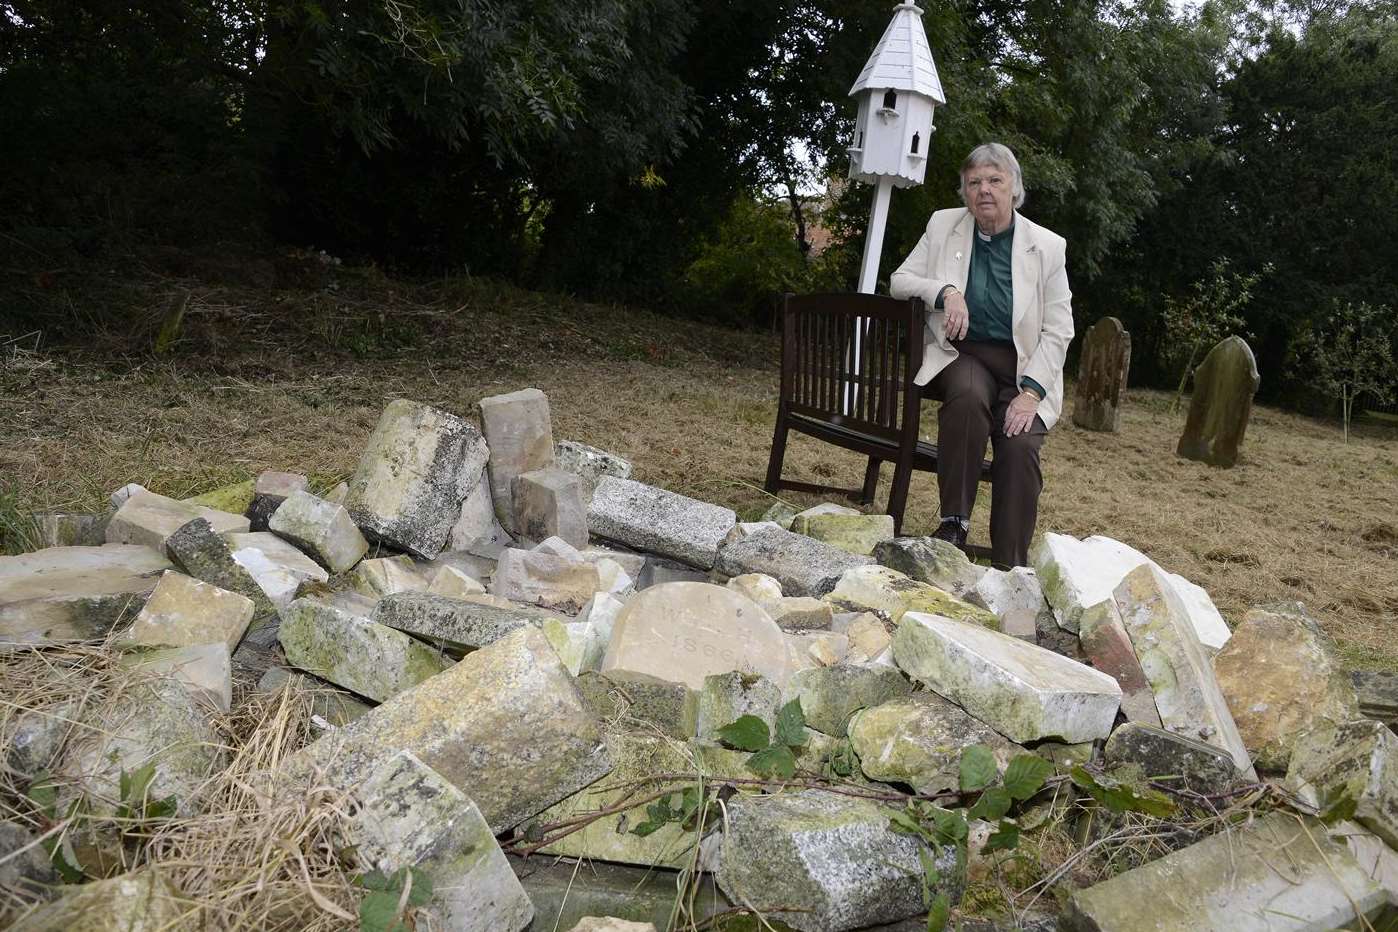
(990, 293)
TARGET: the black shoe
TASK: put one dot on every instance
(952, 531)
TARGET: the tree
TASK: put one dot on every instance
(1208, 314)
(1350, 354)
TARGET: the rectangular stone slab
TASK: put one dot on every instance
(147, 518)
(370, 659)
(506, 726)
(411, 817)
(1279, 873)
(1186, 693)
(454, 623)
(74, 593)
(1021, 690)
(803, 565)
(647, 518)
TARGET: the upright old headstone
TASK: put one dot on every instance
(1106, 359)
(1218, 412)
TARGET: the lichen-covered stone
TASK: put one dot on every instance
(856, 533)
(410, 816)
(453, 623)
(802, 565)
(36, 736)
(659, 521)
(1024, 692)
(1277, 872)
(417, 468)
(138, 901)
(151, 721)
(918, 739)
(370, 659)
(74, 593)
(234, 499)
(780, 514)
(637, 759)
(1186, 693)
(579, 645)
(71, 529)
(548, 503)
(205, 556)
(833, 858)
(1219, 408)
(182, 611)
(148, 519)
(671, 708)
(761, 588)
(685, 631)
(325, 532)
(280, 553)
(589, 463)
(891, 594)
(869, 635)
(726, 697)
(1172, 759)
(1351, 763)
(936, 562)
(505, 725)
(454, 583)
(25, 868)
(1281, 678)
(476, 527)
(831, 694)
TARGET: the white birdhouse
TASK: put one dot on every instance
(897, 92)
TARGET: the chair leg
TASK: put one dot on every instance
(778, 455)
(871, 481)
(898, 492)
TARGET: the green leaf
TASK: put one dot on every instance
(950, 825)
(378, 912)
(53, 847)
(1004, 838)
(904, 824)
(372, 880)
(776, 762)
(977, 768)
(1026, 774)
(993, 804)
(1123, 796)
(140, 783)
(748, 733)
(939, 914)
(422, 888)
(647, 828)
(44, 795)
(160, 808)
(930, 874)
(791, 725)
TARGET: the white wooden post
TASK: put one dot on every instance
(869, 275)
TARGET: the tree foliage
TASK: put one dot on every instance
(1349, 354)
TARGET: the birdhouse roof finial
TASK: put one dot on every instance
(902, 60)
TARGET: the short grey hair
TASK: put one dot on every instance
(993, 153)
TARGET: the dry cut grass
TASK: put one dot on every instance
(286, 379)
(243, 858)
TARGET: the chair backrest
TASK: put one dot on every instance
(823, 377)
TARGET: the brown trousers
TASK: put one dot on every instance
(975, 391)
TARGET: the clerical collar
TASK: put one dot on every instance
(990, 237)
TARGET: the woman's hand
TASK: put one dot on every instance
(1020, 414)
(957, 317)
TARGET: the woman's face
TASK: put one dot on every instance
(990, 196)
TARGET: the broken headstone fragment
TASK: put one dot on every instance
(519, 432)
(323, 531)
(417, 468)
(666, 523)
(802, 565)
(74, 593)
(269, 491)
(182, 611)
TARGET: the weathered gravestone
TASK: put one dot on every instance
(1218, 412)
(1106, 358)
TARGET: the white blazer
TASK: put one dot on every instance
(1043, 311)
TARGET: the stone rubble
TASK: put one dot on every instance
(417, 468)
(512, 684)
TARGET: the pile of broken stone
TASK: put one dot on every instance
(541, 634)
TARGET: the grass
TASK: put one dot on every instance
(292, 378)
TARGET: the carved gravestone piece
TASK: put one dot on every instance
(1106, 358)
(1218, 412)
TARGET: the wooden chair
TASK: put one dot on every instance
(867, 402)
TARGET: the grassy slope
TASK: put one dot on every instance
(294, 378)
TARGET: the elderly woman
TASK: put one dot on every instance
(998, 327)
